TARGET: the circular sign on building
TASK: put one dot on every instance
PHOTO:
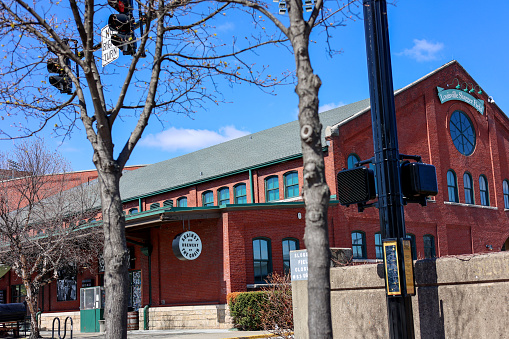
(187, 246)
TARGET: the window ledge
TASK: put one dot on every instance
(299, 198)
(470, 205)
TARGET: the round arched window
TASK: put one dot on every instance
(462, 133)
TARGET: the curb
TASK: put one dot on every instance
(259, 336)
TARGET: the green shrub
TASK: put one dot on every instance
(245, 309)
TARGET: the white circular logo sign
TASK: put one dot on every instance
(187, 246)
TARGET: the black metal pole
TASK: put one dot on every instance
(385, 140)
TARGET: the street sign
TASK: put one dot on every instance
(110, 52)
(299, 265)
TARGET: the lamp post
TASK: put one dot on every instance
(387, 157)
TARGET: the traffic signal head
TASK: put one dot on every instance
(122, 26)
(53, 66)
(356, 185)
(121, 6)
(418, 180)
(120, 23)
(62, 82)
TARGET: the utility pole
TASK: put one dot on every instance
(387, 157)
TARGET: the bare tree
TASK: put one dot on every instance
(316, 192)
(41, 220)
(173, 69)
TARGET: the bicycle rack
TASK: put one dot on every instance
(65, 328)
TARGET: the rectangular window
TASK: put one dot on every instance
(429, 246)
(134, 290)
(288, 245)
(483, 189)
(67, 286)
(452, 187)
(18, 293)
(224, 196)
(378, 246)
(272, 188)
(358, 245)
(261, 260)
(182, 202)
(240, 194)
(505, 190)
(208, 198)
(291, 185)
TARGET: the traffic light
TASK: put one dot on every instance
(418, 181)
(356, 185)
(122, 26)
(60, 81)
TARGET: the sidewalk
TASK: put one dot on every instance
(170, 334)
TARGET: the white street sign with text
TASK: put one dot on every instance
(110, 52)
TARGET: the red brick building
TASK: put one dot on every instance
(242, 197)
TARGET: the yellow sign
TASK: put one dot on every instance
(409, 267)
(392, 279)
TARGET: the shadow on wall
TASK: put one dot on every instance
(431, 308)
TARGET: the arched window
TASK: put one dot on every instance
(133, 210)
(352, 160)
(223, 196)
(469, 188)
(262, 259)
(272, 188)
(155, 205)
(289, 244)
(240, 194)
(168, 203)
(359, 245)
(452, 186)
(483, 189)
(207, 198)
(413, 245)
(429, 246)
(505, 189)
(182, 202)
(378, 246)
(291, 180)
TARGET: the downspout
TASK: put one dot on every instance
(251, 184)
(139, 205)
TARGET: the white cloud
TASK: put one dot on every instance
(329, 106)
(423, 50)
(226, 27)
(181, 139)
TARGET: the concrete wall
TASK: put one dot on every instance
(161, 318)
(457, 297)
(46, 321)
(205, 316)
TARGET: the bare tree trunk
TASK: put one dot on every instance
(32, 299)
(316, 192)
(116, 283)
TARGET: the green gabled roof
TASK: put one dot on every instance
(251, 151)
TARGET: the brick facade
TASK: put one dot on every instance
(227, 232)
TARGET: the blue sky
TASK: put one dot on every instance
(424, 35)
